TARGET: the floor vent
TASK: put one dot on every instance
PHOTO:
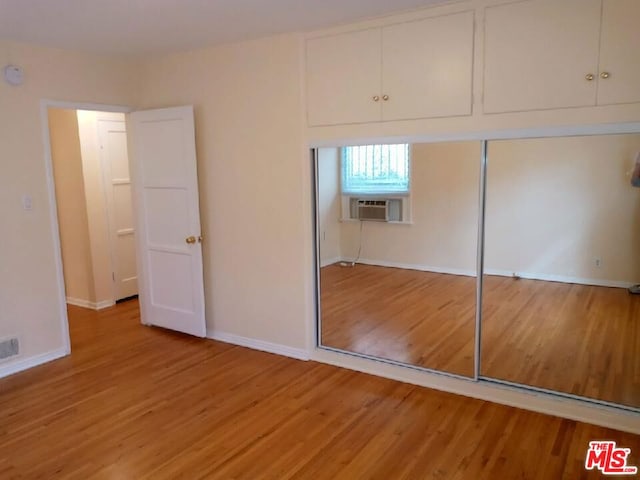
(9, 347)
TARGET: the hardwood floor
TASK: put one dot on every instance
(577, 339)
(135, 402)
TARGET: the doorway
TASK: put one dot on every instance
(92, 185)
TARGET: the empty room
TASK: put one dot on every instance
(295, 239)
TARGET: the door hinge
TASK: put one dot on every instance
(113, 276)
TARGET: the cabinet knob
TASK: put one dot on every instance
(385, 97)
(589, 77)
(376, 98)
(605, 75)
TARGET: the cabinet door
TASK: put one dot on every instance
(538, 53)
(343, 77)
(427, 67)
(620, 52)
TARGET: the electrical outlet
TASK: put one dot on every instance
(597, 262)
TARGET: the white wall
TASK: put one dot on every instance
(254, 180)
(329, 205)
(29, 299)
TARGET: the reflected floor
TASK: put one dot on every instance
(572, 338)
(420, 318)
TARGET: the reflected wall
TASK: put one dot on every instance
(562, 244)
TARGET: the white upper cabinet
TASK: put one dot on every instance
(343, 78)
(541, 54)
(619, 73)
(418, 69)
(427, 67)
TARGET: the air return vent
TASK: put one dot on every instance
(9, 347)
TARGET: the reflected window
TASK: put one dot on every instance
(375, 169)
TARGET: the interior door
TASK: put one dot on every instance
(165, 180)
(112, 135)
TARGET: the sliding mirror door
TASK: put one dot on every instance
(397, 242)
(562, 235)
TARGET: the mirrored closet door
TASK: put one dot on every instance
(397, 237)
(562, 246)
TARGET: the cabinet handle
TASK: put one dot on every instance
(589, 77)
(385, 97)
(376, 98)
(605, 75)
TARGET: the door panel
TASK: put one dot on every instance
(538, 53)
(619, 52)
(343, 76)
(427, 67)
(117, 179)
(167, 214)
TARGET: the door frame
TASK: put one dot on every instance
(45, 104)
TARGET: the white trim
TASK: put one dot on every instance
(78, 302)
(24, 364)
(498, 134)
(45, 104)
(548, 404)
(277, 348)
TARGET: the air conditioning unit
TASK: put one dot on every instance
(376, 209)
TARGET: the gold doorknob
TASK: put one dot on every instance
(605, 75)
(190, 239)
(376, 98)
(589, 77)
(385, 97)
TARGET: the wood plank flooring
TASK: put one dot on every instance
(135, 402)
(577, 339)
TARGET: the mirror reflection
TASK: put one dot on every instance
(397, 241)
(562, 248)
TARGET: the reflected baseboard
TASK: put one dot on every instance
(488, 271)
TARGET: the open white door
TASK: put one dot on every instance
(165, 184)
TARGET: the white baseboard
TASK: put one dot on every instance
(329, 261)
(501, 273)
(25, 363)
(78, 302)
(279, 349)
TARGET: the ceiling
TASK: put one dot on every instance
(143, 27)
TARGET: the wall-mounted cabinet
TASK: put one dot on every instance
(545, 54)
(419, 69)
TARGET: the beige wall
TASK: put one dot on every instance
(444, 205)
(254, 199)
(555, 205)
(29, 297)
(70, 199)
(329, 205)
